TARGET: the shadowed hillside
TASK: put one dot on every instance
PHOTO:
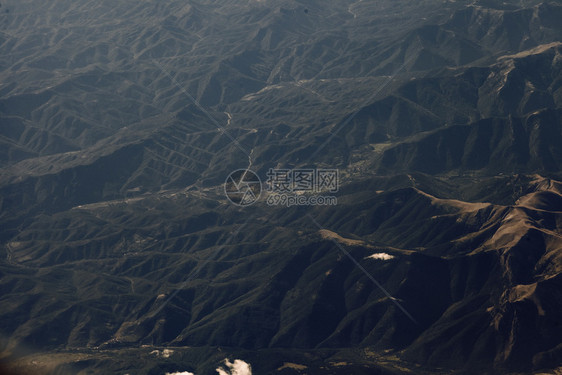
(120, 122)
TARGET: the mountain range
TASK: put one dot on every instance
(121, 120)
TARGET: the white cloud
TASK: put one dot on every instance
(238, 367)
(180, 373)
(381, 256)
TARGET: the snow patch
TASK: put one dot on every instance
(166, 353)
(380, 256)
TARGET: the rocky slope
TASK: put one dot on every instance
(120, 121)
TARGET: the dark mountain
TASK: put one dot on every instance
(120, 122)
